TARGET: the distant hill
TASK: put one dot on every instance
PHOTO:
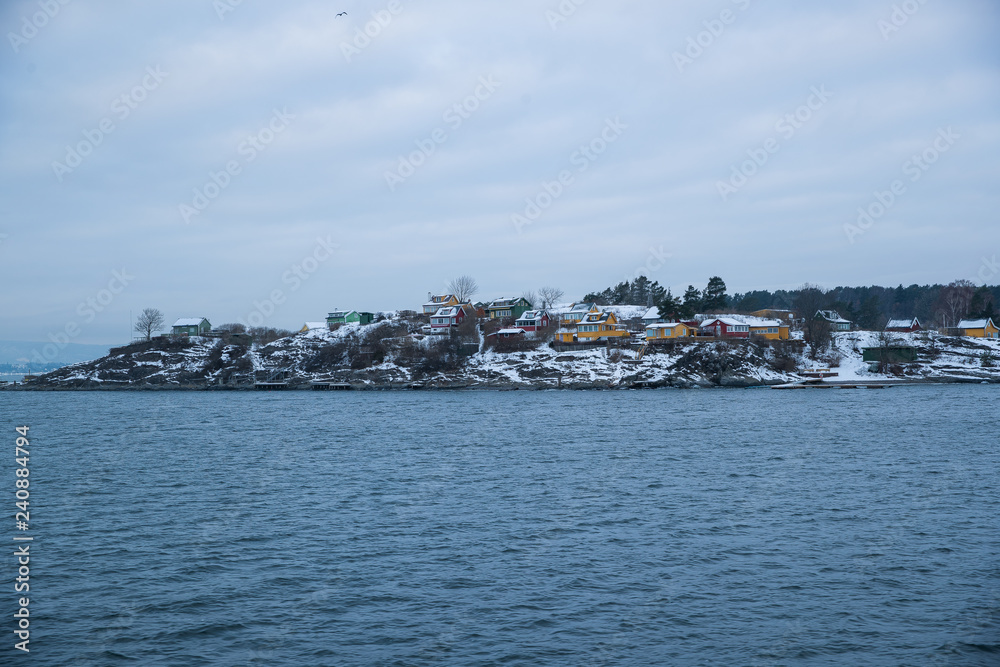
(22, 351)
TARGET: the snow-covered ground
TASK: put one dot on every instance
(939, 356)
(403, 358)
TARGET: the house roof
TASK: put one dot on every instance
(532, 315)
(340, 313)
(832, 316)
(652, 313)
(438, 299)
(582, 307)
(974, 324)
(902, 324)
(447, 311)
(725, 320)
(749, 320)
(189, 322)
(506, 302)
(515, 330)
(665, 325)
(598, 318)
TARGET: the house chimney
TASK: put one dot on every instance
(429, 297)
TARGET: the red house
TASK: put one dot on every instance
(904, 326)
(445, 318)
(724, 327)
(533, 320)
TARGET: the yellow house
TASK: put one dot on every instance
(566, 336)
(979, 328)
(770, 329)
(434, 303)
(576, 313)
(599, 326)
(662, 331)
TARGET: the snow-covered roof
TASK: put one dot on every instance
(725, 320)
(511, 332)
(749, 320)
(665, 325)
(309, 326)
(597, 318)
(189, 322)
(974, 324)
(832, 316)
(581, 307)
(437, 300)
(449, 311)
(652, 314)
(902, 324)
(532, 315)
(506, 301)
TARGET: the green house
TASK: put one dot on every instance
(502, 309)
(190, 326)
(349, 316)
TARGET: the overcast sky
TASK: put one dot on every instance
(728, 137)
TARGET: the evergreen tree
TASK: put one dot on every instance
(982, 306)
(869, 315)
(714, 297)
(670, 307)
(692, 301)
(638, 292)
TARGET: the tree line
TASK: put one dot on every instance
(869, 307)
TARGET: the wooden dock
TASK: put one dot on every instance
(814, 384)
(327, 385)
(270, 386)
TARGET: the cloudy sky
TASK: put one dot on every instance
(227, 158)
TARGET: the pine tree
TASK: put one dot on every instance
(670, 307)
(714, 297)
(692, 302)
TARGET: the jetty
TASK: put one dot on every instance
(843, 384)
(329, 385)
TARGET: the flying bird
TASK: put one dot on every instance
(342, 14)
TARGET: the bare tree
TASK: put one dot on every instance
(463, 287)
(550, 296)
(150, 320)
(530, 297)
(955, 301)
(812, 299)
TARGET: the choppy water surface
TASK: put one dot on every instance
(668, 527)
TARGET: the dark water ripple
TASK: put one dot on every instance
(514, 528)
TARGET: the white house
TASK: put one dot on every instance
(652, 316)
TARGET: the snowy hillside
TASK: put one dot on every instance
(393, 354)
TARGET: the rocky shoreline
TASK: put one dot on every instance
(363, 358)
